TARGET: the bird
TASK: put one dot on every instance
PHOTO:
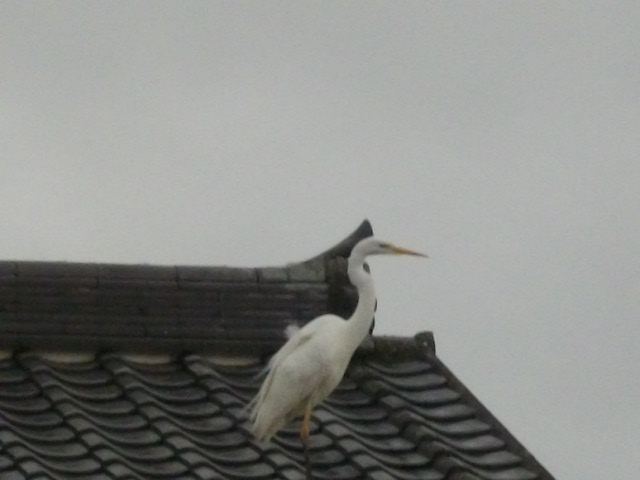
(311, 364)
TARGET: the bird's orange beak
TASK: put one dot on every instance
(404, 251)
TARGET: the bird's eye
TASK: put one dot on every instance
(384, 245)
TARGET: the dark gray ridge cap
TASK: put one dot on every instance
(156, 308)
(391, 349)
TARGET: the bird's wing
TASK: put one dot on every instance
(297, 338)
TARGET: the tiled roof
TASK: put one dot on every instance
(398, 414)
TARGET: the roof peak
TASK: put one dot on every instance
(70, 306)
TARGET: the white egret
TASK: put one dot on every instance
(311, 364)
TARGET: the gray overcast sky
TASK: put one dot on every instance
(502, 138)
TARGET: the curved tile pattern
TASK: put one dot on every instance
(112, 418)
(441, 419)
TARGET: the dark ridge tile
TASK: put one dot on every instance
(290, 443)
(11, 373)
(500, 459)
(348, 399)
(234, 301)
(164, 428)
(392, 458)
(19, 391)
(205, 472)
(226, 400)
(379, 475)
(512, 474)
(225, 376)
(24, 407)
(122, 472)
(193, 459)
(115, 425)
(517, 473)
(141, 393)
(192, 411)
(277, 301)
(8, 269)
(206, 425)
(420, 474)
(13, 475)
(464, 427)
(61, 452)
(328, 458)
(389, 445)
(401, 368)
(202, 425)
(147, 454)
(370, 464)
(37, 325)
(456, 411)
(306, 272)
(343, 472)
(400, 460)
(391, 402)
(213, 440)
(336, 431)
(477, 444)
(248, 472)
(8, 438)
(436, 396)
(51, 435)
(146, 467)
(136, 272)
(373, 430)
(430, 433)
(351, 446)
(236, 457)
(105, 409)
(304, 291)
(163, 380)
(33, 464)
(276, 458)
(55, 269)
(264, 274)
(419, 382)
(125, 439)
(42, 420)
(187, 274)
(95, 393)
(196, 296)
(363, 415)
(291, 474)
(318, 441)
(89, 375)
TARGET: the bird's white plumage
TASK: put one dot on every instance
(311, 364)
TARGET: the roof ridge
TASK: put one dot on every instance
(170, 309)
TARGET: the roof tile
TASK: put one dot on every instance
(183, 417)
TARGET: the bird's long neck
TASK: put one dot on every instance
(359, 323)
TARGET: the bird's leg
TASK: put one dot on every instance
(304, 428)
(304, 438)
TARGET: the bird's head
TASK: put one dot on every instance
(373, 246)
